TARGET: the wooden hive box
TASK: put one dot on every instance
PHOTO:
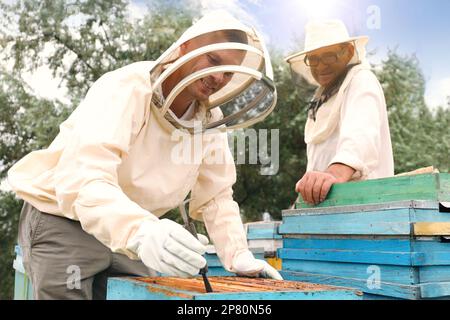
(264, 235)
(225, 288)
(428, 187)
(404, 244)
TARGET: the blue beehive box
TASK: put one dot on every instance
(395, 250)
(264, 235)
(225, 288)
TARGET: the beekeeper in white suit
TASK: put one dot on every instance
(347, 130)
(94, 198)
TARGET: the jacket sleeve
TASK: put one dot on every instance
(86, 179)
(213, 202)
(359, 141)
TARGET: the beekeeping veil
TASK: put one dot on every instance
(249, 97)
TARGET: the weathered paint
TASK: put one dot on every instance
(224, 289)
(434, 187)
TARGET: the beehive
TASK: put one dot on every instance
(225, 288)
(264, 235)
(387, 237)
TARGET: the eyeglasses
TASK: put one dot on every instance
(328, 58)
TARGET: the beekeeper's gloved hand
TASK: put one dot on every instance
(167, 247)
(245, 264)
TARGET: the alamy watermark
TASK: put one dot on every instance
(245, 146)
(374, 280)
(74, 278)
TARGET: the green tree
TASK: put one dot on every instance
(79, 41)
(256, 193)
(418, 135)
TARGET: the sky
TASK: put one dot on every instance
(409, 26)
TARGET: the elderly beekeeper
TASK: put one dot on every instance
(347, 130)
(94, 198)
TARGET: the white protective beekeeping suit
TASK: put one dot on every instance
(112, 164)
(352, 127)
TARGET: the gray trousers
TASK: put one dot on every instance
(65, 262)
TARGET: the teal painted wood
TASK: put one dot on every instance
(256, 234)
(393, 290)
(388, 273)
(371, 257)
(391, 252)
(429, 215)
(213, 260)
(219, 272)
(435, 290)
(434, 274)
(431, 258)
(368, 296)
(433, 187)
(369, 244)
(325, 295)
(132, 289)
(388, 222)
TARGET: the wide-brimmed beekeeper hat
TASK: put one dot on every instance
(248, 98)
(324, 33)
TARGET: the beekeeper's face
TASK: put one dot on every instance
(203, 88)
(328, 63)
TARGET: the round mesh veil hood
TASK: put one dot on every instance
(245, 98)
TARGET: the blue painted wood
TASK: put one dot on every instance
(435, 290)
(256, 234)
(368, 296)
(388, 273)
(431, 258)
(213, 260)
(429, 215)
(387, 222)
(371, 257)
(434, 274)
(422, 252)
(133, 289)
(378, 222)
(219, 272)
(411, 292)
(130, 289)
(389, 245)
(326, 295)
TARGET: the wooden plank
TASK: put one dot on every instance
(429, 215)
(255, 234)
(396, 252)
(388, 222)
(350, 256)
(401, 291)
(435, 290)
(431, 228)
(225, 288)
(213, 260)
(434, 274)
(433, 187)
(368, 244)
(388, 273)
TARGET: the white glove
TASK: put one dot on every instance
(245, 264)
(167, 247)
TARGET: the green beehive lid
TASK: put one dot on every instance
(429, 187)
